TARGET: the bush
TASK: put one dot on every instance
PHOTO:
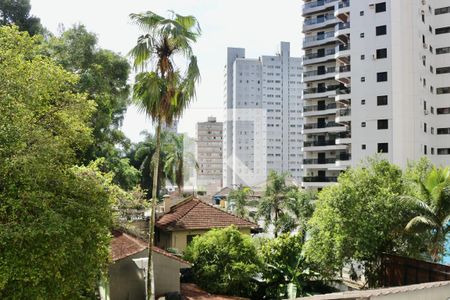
(225, 261)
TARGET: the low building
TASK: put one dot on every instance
(127, 273)
(192, 217)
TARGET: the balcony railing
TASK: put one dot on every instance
(344, 157)
(319, 20)
(344, 3)
(313, 161)
(343, 69)
(329, 88)
(343, 135)
(309, 56)
(344, 112)
(342, 47)
(319, 37)
(319, 179)
(317, 72)
(344, 91)
(317, 3)
(319, 143)
(326, 125)
(311, 108)
(342, 26)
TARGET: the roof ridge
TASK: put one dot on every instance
(183, 215)
(224, 211)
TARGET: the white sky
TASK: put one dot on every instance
(257, 25)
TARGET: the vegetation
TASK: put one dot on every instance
(17, 12)
(224, 262)
(163, 92)
(240, 198)
(52, 214)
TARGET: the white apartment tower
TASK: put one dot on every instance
(262, 127)
(377, 79)
(209, 155)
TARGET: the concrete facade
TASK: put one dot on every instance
(376, 80)
(262, 127)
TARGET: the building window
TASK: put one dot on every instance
(363, 146)
(381, 53)
(442, 30)
(443, 70)
(380, 7)
(382, 100)
(363, 57)
(425, 127)
(443, 131)
(189, 238)
(443, 90)
(425, 149)
(363, 102)
(381, 30)
(443, 50)
(361, 35)
(443, 151)
(363, 124)
(442, 10)
(443, 111)
(383, 148)
(361, 13)
(432, 151)
(382, 124)
(382, 76)
(363, 79)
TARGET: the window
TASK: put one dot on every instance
(425, 150)
(380, 7)
(442, 30)
(382, 124)
(363, 79)
(425, 127)
(442, 10)
(443, 151)
(189, 238)
(383, 147)
(361, 35)
(443, 111)
(443, 90)
(432, 151)
(361, 13)
(443, 70)
(443, 50)
(363, 124)
(363, 146)
(382, 76)
(363, 57)
(381, 30)
(443, 131)
(432, 130)
(382, 100)
(381, 53)
(363, 102)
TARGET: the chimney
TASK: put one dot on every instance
(167, 203)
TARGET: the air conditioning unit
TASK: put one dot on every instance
(426, 112)
(425, 46)
(372, 6)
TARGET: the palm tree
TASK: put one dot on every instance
(177, 160)
(433, 207)
(240, 197)
(161, 90)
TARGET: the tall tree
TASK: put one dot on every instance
(240, 198)
(433, 209)
(162, 91)
(17, 12)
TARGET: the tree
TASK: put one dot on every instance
(164, 92)
(17, 12)
(284, 264)
(52, 214)
(299, 209)
(433, 209)
(240, 199)
(224, 261)
(359, 219)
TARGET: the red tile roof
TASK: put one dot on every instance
(123, 245)
(193, 213)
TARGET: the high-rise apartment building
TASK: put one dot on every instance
(262, 127)
(377, 79)
(209, 155)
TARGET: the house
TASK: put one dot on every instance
(192, 217)
(439, 290)
(127, 273)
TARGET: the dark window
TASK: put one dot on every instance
(363, 79)
(381, 30)
(443, 151)
(443, 70)
(363, 146)
(361, 13)
(443, 50)
(363, 57)
(363, 102)
(189, 238)
(443, 111)
(382, 100)
(425, 150)
(383, 148)
(432, 151)
(425, 127)
(361, 35)
(382, 76)
(442, 30)
(443, 90)
(381, 53)
(380, 7)
(443, 131)
(382, 124)
(442, 10)
(363, 124)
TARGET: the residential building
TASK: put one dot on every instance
(262, 127)
(209, 155)
(377, 80)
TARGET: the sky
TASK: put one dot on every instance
(257, 25)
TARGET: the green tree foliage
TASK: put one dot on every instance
(360, 218)
(54, 218)
(17, 12)
(240, 198)
(433, 209)
(224, 261)
(284, 263)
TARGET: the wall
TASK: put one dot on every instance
(167, 272)
(439, 293)
(126, 281)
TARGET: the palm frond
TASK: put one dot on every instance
(420, 223)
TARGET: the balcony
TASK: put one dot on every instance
(322, 145)
(343, 160)
(343, 74)
(343, 115)
(327, 127)
(323, 163)
(341, 31)
(342, 10)
(343, 138)
(319, 22)
(313, 75)
(314, 58)
(314, 110)
(342, 53)
(343, 96)
(319, 39)
(319, 179)
(328, 91)
(317, 6)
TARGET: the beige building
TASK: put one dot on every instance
(209, 155)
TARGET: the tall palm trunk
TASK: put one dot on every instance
(150, 273)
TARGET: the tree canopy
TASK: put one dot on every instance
(17, 12)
